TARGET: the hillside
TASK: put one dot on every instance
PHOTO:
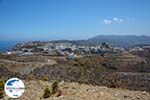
(116, 40)
(118, 70)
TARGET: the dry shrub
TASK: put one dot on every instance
(1, 88)
(47, 93)
(44, 78)
(53, 90)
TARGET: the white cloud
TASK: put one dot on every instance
(113, 20)
(121, 20)
(106, 21)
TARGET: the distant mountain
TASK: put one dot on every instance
(116, 40)
(125, 41)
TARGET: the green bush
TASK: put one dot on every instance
(47, 93)
(54, 87)
(52, 90)
(44, 78)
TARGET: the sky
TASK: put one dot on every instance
(72, 19)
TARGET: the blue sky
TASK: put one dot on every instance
(72, 19)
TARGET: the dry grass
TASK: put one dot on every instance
(75, 91)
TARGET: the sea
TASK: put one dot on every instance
(7, 45)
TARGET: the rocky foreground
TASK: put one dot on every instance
(75, 91)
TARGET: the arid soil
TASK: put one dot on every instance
(75, 91)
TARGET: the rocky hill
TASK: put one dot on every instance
(116, 40)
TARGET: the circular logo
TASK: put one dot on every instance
(14, 88)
